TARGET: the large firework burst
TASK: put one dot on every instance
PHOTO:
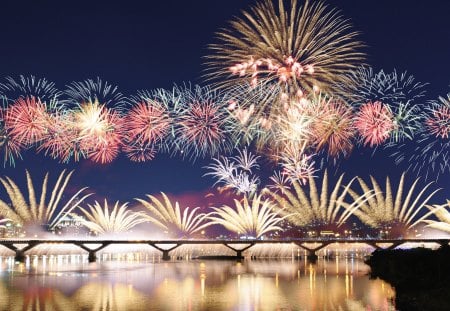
(202, 124)
(314, 209)
(106, 220)
(172, 219)
(382, 210)
(300, 46)
(254, 218)
(40, 213)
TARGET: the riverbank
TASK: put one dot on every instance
(420, 276)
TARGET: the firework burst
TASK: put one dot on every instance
(236, 173)
(429, 153)
(106, 220)
(27, 120)
(40, 213)
(391, 88)
(202, 124)
(302, 47)
(95, 90)
(172, 219)
(254, 219)
(332, 128)
(375, 123)
(29, 86)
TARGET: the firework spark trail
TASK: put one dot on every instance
(106, 220)
(382, 210)
(40, 213)
(254, 219)
(301, 47)
(172, 219)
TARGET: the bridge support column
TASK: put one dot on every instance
(312, 256)
(92, 252)
(20, 252)
(311, 252)
(165, 252)
(239, 256)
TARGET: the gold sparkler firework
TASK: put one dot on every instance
(254, 218)
(314, 208)
(381, 209)
(43, 213)
(171, 219)
(104, 220)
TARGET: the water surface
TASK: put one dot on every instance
(71, 283)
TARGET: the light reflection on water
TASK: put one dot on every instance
(70, 283)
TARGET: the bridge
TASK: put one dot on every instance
(236, 245)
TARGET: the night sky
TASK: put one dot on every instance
(149, 44)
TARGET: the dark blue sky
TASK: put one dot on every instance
(149, 44)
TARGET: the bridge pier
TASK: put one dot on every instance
(20, 252)
(239, 251)
(92, 252)
(311, 252)
(165, 252)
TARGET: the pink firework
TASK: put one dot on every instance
(138, 152)
(438, 122)
(61, 140)
(201, 128)
(374, 122)
(332, 127)
(148, 121)
(26, 120)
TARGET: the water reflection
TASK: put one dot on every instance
(70, 283)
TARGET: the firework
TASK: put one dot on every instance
(442, 212)
(100, 131)
(279, 182)
(301, 47)
(95, 91)
(61, 139)
(390, 88)
(40, 213)
(106, 220)
(26, 120)
(140, 152)
(332, 127)
(148, 121)
(251, 219)
(236, 173)
(374, 122)
(297, 165)
(318, 210)
(382, 210)
(428, 155)
(172, 219)
(9, 147)
(202, 124)
(29, 86)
